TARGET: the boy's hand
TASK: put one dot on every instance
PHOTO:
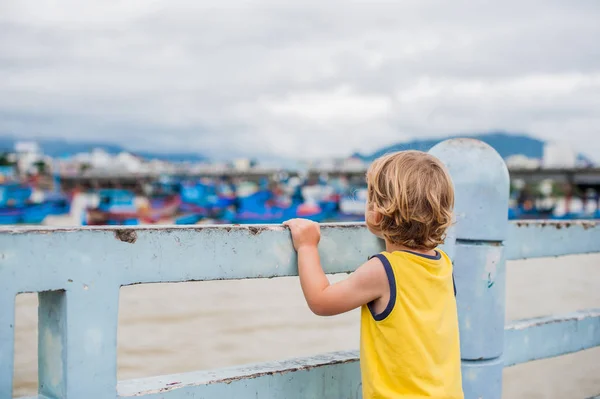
(305, 233)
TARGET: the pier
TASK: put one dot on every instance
(78, 273)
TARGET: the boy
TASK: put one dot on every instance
(409, 345)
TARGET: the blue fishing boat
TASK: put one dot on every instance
(524, 212)
(528, 206)
(115, 207)
(275, 214)
(201, 199)
(118, 207)
(16, 206)
(59, 201)
(59, 204)
(264, 206)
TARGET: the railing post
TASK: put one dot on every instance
(77, 341)
(7, 342)
(481, 184)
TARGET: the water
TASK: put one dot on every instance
(171, 328)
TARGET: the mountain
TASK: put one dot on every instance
(62, 148)
(507, 144)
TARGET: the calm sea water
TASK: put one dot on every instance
(171, 328)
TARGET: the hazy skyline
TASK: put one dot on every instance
(301, 79)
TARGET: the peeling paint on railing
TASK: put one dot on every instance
(544, 337)
(536, 239)
(345, 365)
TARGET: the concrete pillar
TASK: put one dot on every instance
(481, 182)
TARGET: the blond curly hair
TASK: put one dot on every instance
(410, 199)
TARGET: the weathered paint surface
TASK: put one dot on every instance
(481, 185)
(482, 378)
(78, 273)
(77, 329)
(225, 252)
(536, 239)
(7, 331)
(52, 343)
(544, 337)
(335, 375)
(35, 259)
(480, 275)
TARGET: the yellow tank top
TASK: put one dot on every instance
(412, 348)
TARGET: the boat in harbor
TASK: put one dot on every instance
(205, 198)
(18, 207)
(274, 206)
(118, 207)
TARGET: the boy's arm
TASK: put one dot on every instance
(366, 284)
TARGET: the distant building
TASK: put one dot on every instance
(353, 164)
(158, 166)
(27, 147)
(559, 156)
(522, 162)
(101, 161)
(27, 154)
(242, 164)
(128, 163)
(323, 164)
(350, 164)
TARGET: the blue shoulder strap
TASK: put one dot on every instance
(453, 283)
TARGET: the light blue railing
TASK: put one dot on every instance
(78, 274)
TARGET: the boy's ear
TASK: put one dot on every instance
(374, 217)
(378, 217)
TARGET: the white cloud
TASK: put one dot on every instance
(338, 106)
(298, 78)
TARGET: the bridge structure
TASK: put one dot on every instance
(78, 273)
(580, 178)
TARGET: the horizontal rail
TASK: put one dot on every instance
(338, 374)
(42, 259)
(329, 375)
(545, 337)
(526, 340)
(37, 259)
(537, 239)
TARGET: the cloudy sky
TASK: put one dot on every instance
(307, 78)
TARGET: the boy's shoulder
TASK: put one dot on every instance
(406, 255)
(404, 261)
